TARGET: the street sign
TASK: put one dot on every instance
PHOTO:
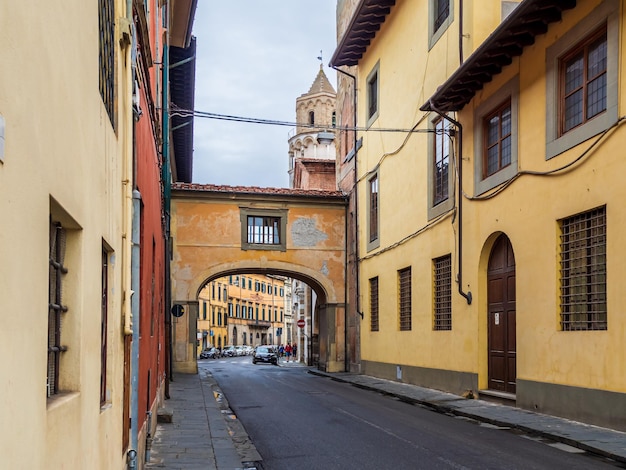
(301, 323)
(178, 310)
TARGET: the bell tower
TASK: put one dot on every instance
(312, 149)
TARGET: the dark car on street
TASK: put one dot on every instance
(210, 353)
(264, 354)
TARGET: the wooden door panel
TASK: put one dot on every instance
(495, 291)
(510, 288)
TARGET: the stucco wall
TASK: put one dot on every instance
(62, 157)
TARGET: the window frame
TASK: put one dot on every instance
(605, 14)
(372, 96)
(281, 214)
(497, 112)
(374, 304)
(583, 267)
(373, 240)
(56, 309)
(581, 49)
(106, 57)
(509, 91)
(442, 293)
(436, 209)
(104, 319)
(405, 314)
(435, 34)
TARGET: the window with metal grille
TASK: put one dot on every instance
(106, 23)
(443, 293)
(264, 230)
(373, 213)
(404, 298)
(442, 11)
(56, 309)
(374, 304)
(497, 144)
(583, 76)
(103, 327)
(583, 271)
(441, 162)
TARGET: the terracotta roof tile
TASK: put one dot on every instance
(256, 190)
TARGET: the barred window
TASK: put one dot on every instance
(263, 229)
(404, 299)
(583, 271)
(374, 304)
(56, 309)
(104, 343)
(106, 23)
(443, 293)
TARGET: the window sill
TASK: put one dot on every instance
(60, 399)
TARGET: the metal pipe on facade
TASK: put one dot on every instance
(166, 178)
(135, 264)
(356, 213)
(135, 287)
(468, 295)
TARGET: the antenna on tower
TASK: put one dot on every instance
(320, 59)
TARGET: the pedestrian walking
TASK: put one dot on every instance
(288, 351)
(294, 350)
(281, 350)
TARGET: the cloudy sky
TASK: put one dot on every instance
(254, 58)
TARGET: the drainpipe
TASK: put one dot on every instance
(356, 213)
(167, 194)
(135, 286)
(135, 262)
(457, 124)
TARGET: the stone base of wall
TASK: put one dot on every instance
(446, 380)
(187, 367)
(592, 406)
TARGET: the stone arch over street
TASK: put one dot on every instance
(218, 231)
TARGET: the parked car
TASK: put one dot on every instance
(248, 350)
(265, 354)
(240, 351)
(209, 353)
(229, 351)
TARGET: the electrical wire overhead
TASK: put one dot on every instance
(180, 112)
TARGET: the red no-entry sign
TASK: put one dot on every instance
(301, 323)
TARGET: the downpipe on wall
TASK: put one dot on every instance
(468, 295)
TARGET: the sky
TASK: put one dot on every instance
(254, 58)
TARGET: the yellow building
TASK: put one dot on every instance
(246, 309)
(490, 217)
(213, 315)
(256, 309)
(80, 183)
(65, 199)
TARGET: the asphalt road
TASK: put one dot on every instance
(301, 421)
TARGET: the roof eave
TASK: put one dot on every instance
(530, 19)
(368, 16)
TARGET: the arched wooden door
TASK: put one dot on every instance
(501, 316)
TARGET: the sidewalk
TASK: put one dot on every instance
(594, 439)
(205, 434)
